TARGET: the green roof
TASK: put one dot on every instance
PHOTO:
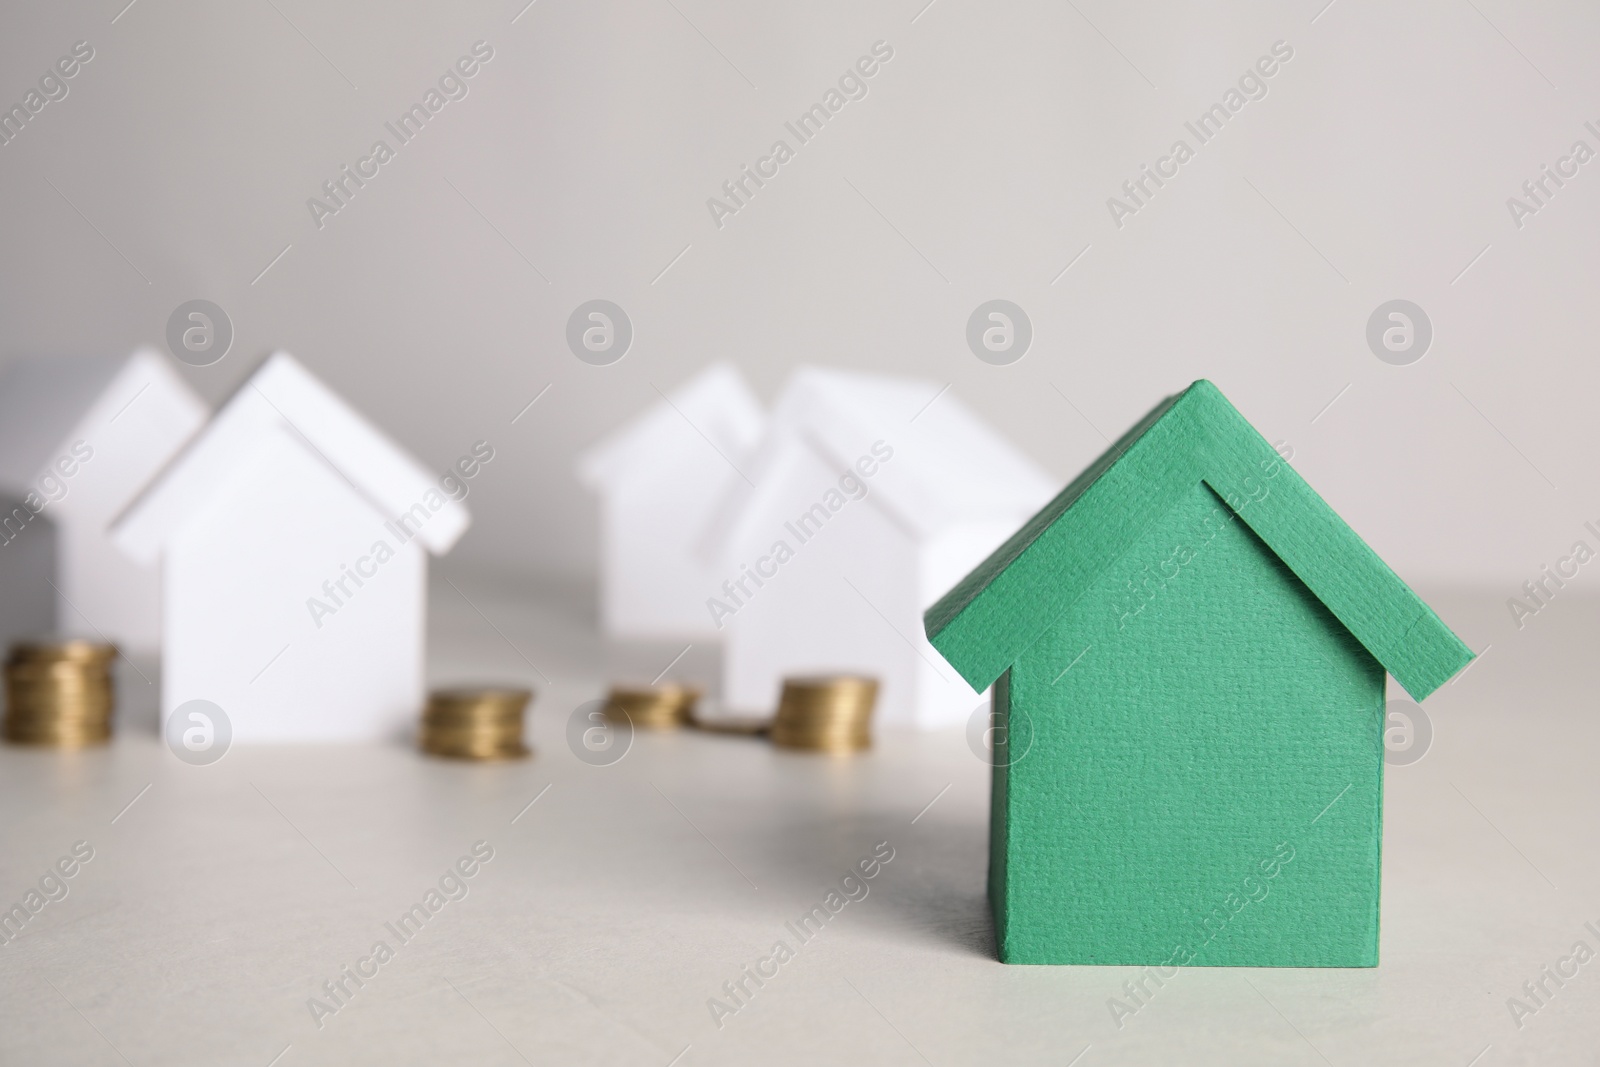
(995, 613)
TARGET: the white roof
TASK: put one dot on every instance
(283, 396)
(716, 407)
(948, 467)
(44, 399)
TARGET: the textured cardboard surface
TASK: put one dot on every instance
(1189, 648)
(986, 621)
(1167, 760)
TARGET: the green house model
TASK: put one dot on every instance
(1187, 648)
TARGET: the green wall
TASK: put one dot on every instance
(1216, 711)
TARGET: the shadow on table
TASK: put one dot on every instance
(934, 887)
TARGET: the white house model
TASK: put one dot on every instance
(79, 437)
(659, 479)
(293, 538)
(873, 496)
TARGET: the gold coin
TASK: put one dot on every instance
(660, 707)
(59, 692)
(475, 724)
(825, 714)
(69, 649)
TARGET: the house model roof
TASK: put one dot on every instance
(42, 401)
(284, 397)
(949, 466)
(984, 623)
(715, 407)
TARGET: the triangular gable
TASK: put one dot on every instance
(984, 623)
(716, 407)
(42, 400)
(949, 466)
(282, 394)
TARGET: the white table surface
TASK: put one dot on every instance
(613, 908)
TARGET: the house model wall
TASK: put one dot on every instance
(1188, 649)
(293, 537)
(659, 479)
(871, 496)
(79, 437)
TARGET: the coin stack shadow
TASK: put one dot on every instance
(825, 714)
(475, 724)
(654, 707)
(59, 693)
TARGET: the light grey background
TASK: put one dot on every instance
(978, 167)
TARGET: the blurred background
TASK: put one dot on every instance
(578, 165)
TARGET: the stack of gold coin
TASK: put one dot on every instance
(58, 693)
(825, 714)
(652, 707)
(475, 724)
